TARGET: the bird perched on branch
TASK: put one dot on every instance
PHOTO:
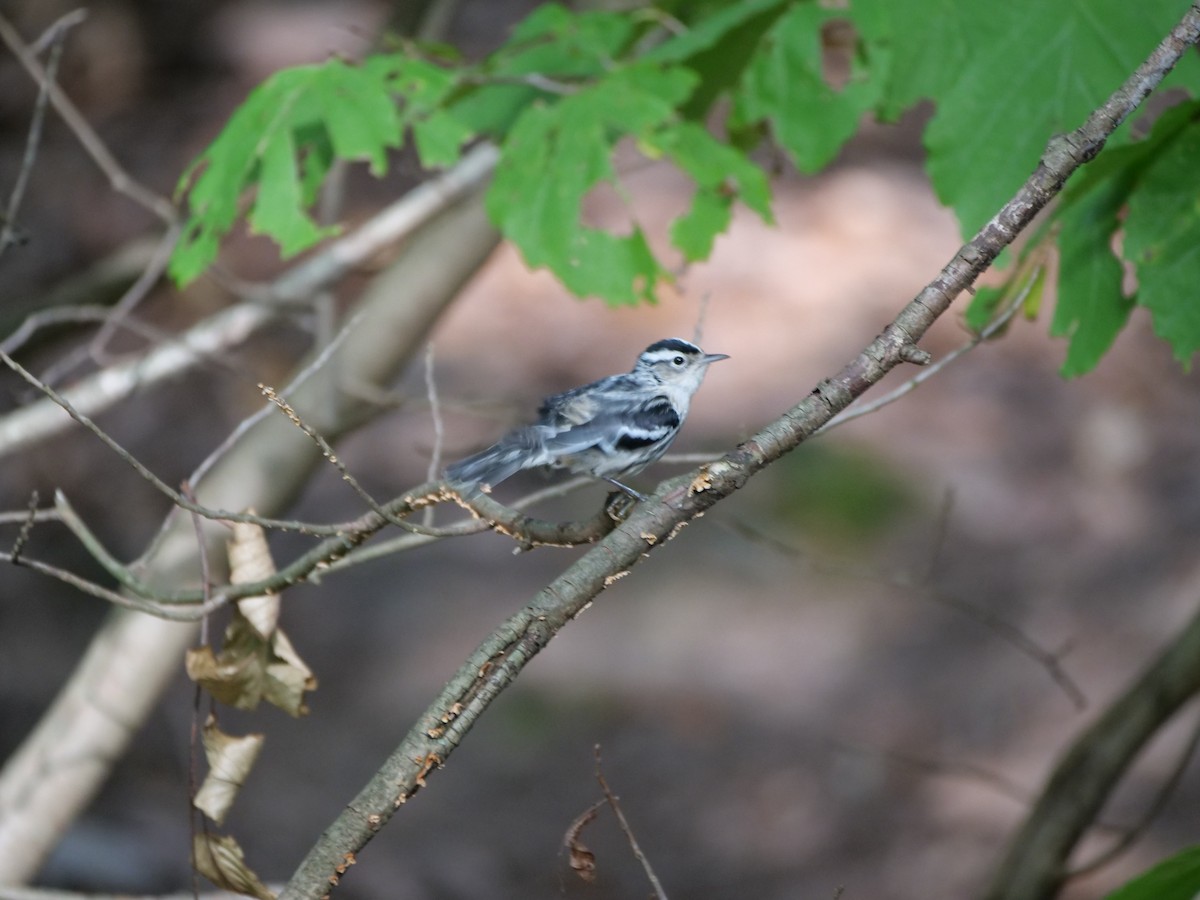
(612, 427)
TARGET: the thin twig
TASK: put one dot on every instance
(53, 37)
(153, 480)
(990, 778)
(332, 458)
(138, 290)
(119, 179)
(168, 611)
(118, 315)
(633, 844)
(18, 546)
(1002, 628)
(993, 328)
(439, 431)
(98, 392)
(194, 742)
(12, 517)
(467, 526)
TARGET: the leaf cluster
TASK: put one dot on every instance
(705, 86)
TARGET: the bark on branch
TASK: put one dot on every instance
(504, 653)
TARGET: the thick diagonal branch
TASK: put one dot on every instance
(499, 659)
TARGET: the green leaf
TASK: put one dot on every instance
(551, 44)
(282, 139)
(916, 73)
(439, 139)
(1175, 878)
(721, 173)
(279, 199)
(358, 113)
(785, 86)
(718, 49)
(1163, 241)
(556, 42)
(556, 154)
(695, 231)
(1092, 306)
(1011, 75)
(712, 31)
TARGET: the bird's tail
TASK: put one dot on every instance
(491, 466)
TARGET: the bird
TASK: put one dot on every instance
(606, 429)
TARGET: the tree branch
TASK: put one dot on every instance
(503, 654)
(10, 233)
(63, 761)
(90, 396)
(120, 180)
(1035, 866)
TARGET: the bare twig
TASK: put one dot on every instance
(120, 180)
(138, 290)
(165, 611)
(985, 777)
(53, 38)
(138, 466)
(194, 738)
(439, 431)
(118, 316)
(468, 526)
(98, 392)
(1007, 631)
(14, 555)
(993, 328)
(11, 517)
(58, 767)
(624, 823)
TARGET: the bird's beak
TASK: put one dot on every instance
(714, 357)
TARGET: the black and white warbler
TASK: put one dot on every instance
(612, 427)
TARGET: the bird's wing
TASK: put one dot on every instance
(580, 405)
(619, 424)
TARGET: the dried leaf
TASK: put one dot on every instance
(231, 680)
(219, 859)
(229, 762)
(288, 679)
(250, 669)
(582, 860)
(250, 561)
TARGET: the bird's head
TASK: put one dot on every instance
(676, 362)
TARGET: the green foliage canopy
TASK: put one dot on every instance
(704, 84)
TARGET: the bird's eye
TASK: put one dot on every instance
(678, 361)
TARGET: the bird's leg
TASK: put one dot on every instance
(626, 488)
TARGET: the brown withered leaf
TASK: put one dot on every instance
(249, 561)
(288, 678)
(582, 860)
(219, 859)
(251, 668)
(227, 680)
(230, 760)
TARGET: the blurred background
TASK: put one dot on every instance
(837, 678)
